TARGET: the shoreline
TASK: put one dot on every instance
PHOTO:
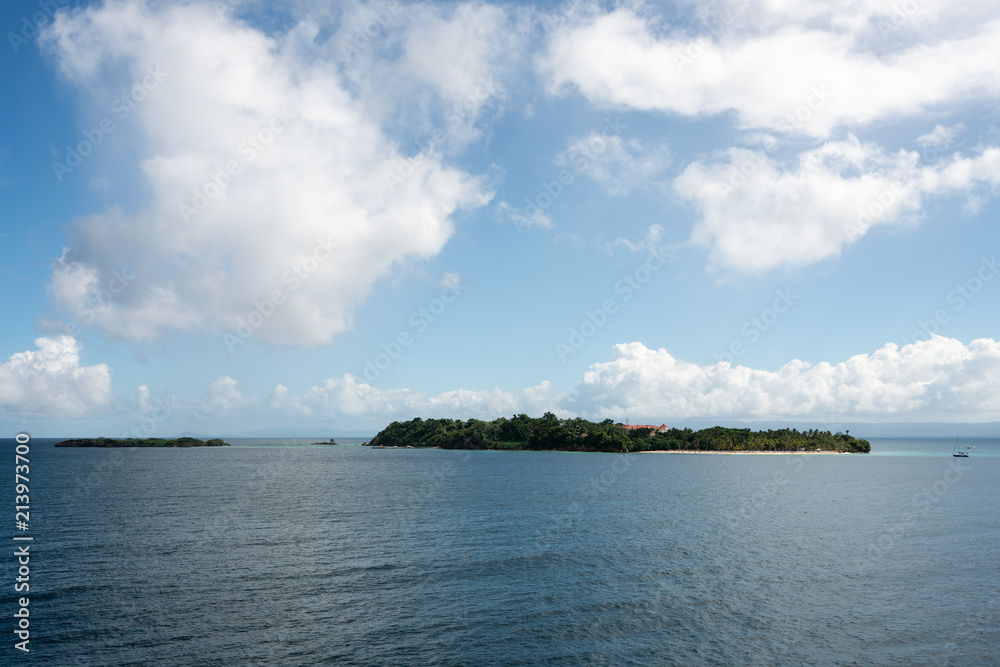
(649, 451)
(698, 451)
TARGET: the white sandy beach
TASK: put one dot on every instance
(695, 451)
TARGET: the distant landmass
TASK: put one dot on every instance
(579, 435)
(912, 429)
(142, 442)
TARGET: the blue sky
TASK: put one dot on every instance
(227, 217)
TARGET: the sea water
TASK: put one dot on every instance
(277, 552)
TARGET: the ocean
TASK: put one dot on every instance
(282, 553)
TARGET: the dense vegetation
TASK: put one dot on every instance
(579, 435)
(141, 442)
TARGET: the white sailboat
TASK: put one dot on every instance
(958, 451)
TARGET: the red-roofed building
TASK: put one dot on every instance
(662, 428)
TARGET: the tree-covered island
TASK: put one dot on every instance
(142, 442)
(579, 435)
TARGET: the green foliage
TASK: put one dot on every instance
(579, 435)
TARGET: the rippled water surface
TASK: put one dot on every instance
(268, 553)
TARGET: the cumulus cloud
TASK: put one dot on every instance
(941, 136)
(267, 171)
(224, 395)
(780, 67)
(452, 58)
(939, 376)
(756, 213)
(50, 382)
(618, 165)
(809, 70)
(345, 396)
(347, 400)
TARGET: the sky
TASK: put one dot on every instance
(242, 217)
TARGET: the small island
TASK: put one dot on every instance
(142, 442)
(579, 435)
(331, 442)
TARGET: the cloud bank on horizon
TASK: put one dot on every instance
(290, 175)
(935, 378)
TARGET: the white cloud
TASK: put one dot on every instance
(652, 242)
(531, 216)
(796, 72)
(433, 67)
(811, 69)
(224, 396)
(142, 396)
(310, 211)
(873, 17)
(941, 136)
(757, 214)
(346, 397)
(278, 395)
(962, 174)
(940, 377)
(99, 184)
(50, 382)
(346, 400)
(618, 165)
